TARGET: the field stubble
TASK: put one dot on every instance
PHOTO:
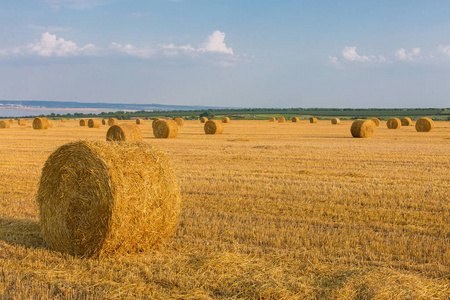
(271, 211)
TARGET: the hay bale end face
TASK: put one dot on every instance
(40, 123)
(22, 122)
(139, 121)
(203, 119)
(335, 121)
(124, 133)
(83, 122)
(165, 129)
(112, 121)
(213, 127)
(94, 123)
(406, 121)
(226, 120)
(376, 121)
(424, 125)
(5, 124)
(312, 120)
(104, 122)
(99, 199)
(394, 123)
(363, 129)
(295, 119)
(272, 119)
(281, 120)
(179, 121)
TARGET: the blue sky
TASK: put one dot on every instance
(227, 53)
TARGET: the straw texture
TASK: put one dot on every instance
(50, 123)
(5, 124)
(112, 121)
(363, 129)
(424, 125)
(376, 121)
(394, 123)
(22, 122)
(179, 121)
(165, 129)
(406, 121)
(99, 199)
(94, 123)
(40, 123)
(124, 133)
(213, 127)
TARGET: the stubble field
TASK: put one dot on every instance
(269, 211)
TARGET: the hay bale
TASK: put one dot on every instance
(139, 121)
(94, 123)
(295, 120)
(99, 199)
(40, 123)
(165, 129)
(63, 120)
(272, 119)
(113, 121)
(83, 122)
(335, 121)
(11, 121)
(376, 121)
(5, 124)
(50, 123)
(394, 123)
(424, 125)
(124, 133)
(281, 120)
(226, 120)
(154, 122)
(22, 122)
(406, 121)
(203, 119)
(213, 127)
(363, 129)
(104, 122)
(312, 120)
(179, 121)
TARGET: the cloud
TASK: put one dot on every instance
(128, 49)
(50, 45)
(401, 54)
(333, 60)
(350, 54)
(216, 43)
(48, 28)
(444, 49)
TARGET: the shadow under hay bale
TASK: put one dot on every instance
(21, 232)
(98, 199)
(213, 127)
(124, 133)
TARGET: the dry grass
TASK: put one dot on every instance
(268, 212)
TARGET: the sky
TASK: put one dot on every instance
(228, 53)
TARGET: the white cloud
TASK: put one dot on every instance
(216, 43)
(145, 52)
(50, 45)
(401, 54)
(350, 54)
(444, 49)
(333, 60)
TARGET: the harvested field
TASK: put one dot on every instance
(267, 212)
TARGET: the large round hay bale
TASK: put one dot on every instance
(94, 123)
(226, 120)
(83, 122)
(363, 129)
(165, 129)
(11, 121)
(99, 199)
(22, 122)
(203, 119)
(295, 119)
(424, 125)
(394, 123)
(139, 121)
(40, 123)
(335, 121)
(281, 120)
(50, 123)
(113, 121)
(104, 122)
(179, 121)
(124, 133)
(376, 121)
(312, 120)
(272, 119)
(63, 120)
(154, 122)
(213, 127)
(5, 124)
(406, 121)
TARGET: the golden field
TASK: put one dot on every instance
(269, 211)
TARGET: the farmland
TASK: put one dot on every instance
(269, 211)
